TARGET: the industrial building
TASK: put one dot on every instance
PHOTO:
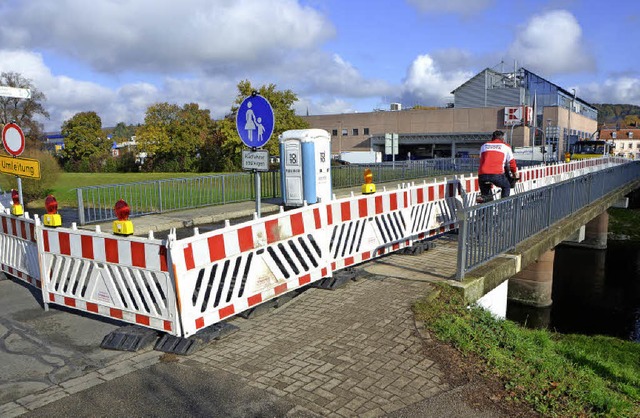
(530, 109)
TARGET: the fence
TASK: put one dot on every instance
(493, 228)
(95, 203)
(181, 286)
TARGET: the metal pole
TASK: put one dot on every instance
(257, 180)
(20, 191)
(80, 206)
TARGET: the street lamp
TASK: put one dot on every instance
(544, 141)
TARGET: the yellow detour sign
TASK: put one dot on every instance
(21, 167)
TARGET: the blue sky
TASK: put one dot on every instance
(117, 57)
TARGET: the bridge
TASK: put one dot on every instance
(181, 287)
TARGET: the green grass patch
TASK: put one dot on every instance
(625, 222)
(65, 193)
(558, 375)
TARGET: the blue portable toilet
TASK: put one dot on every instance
(305, 166)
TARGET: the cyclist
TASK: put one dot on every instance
(496, 156)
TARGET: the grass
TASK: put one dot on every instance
(625, 222)
(65, 188)
(558, 375)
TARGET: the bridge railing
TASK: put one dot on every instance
(491, 229)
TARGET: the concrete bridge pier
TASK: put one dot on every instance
(533, 285)
(595, 234)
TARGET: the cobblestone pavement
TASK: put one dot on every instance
(354, 351)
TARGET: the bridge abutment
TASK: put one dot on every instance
(533, 285)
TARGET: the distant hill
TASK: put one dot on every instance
(614, 114)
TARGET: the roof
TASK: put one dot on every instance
(621, 133)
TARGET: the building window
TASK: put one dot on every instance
(614, 135)
(334, 132)
(630, 134)
(345, 132)
(637, 145)
(366, 131)
(355, 131)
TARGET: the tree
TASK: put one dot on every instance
(285, 119)
(22, 111)
(173, 137)
(122, 132)
(85, 145)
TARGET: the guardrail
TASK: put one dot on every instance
(493, 228)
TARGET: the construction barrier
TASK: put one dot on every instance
(182, 286)
(222, 273)
(124, 278)
(18, 248)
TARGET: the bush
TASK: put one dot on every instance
(34, 189)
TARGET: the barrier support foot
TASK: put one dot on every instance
(186, 346)
(129, 338)
(340, 278)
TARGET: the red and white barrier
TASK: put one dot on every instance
(366, 226)
(18, 249)
(222, 273)
(125, 278)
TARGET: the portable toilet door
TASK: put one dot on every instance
(291, 171)
(316, 148)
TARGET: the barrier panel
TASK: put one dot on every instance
(125, 278)
(433, 206)
(18, 248)
(366, 226)
(224, 272)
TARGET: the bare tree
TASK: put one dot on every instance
(23, 111)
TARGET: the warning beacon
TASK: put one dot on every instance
(123, 226)
(52, 217)
(368, 187)
(16, 208)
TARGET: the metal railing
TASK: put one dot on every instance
(95, 203)
(490, 229)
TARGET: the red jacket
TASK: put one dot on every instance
(494, 155)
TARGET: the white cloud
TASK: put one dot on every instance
(164, 35)
(623, 90)
(426, 84)
(331, 75)
(465, 7)
(552, 43)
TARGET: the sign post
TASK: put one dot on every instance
(12, 136)
(391, 146)
(255, 122)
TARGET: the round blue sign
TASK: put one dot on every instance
(255, 121)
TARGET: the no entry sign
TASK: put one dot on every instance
(13, 139)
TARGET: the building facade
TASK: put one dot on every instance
(626, 141)
(481, 105)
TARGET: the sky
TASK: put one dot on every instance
(118, 57)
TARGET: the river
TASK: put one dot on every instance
(595, 292)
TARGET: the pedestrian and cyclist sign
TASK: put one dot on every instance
(255, 121)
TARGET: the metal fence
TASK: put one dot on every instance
(491, 229)
(95, 203)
